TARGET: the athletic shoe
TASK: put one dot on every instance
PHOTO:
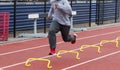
(74, 41)
(52, 51)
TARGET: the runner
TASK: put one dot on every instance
(60, 11)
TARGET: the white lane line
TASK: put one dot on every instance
(76, 32)
(95, 59)
(2, 54)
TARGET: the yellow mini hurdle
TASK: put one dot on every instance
(68, 51)
(94, 46)
(40, 59)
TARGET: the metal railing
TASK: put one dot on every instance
(87, 12)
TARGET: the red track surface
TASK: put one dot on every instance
(14, 55)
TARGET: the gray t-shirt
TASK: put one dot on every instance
(62, 13)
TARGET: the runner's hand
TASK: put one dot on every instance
(48, 18)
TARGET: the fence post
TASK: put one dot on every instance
(103, 12)
(97, 12)
(44, 17)
(14, 29)
(71, 3)
(90, 11)
(116, 10)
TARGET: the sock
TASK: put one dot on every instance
(52, 50)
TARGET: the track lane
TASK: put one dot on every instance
(31, 53)
(12, 47)
(35, 44)
(86, 41)
(106, 62)
(68, 59)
